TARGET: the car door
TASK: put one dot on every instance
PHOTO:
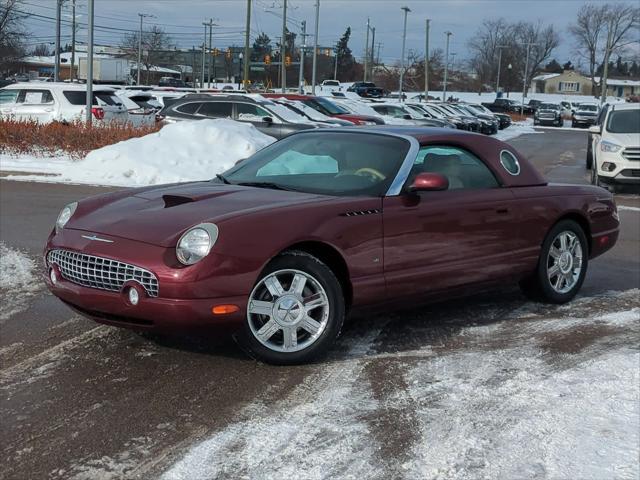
(256, 115)
(215, 110)
(442, 239)
(34, 104)
(8, 99)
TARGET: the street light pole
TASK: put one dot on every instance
(335, 68)
(404, 39)
(526, 73)
(247, 52)
(500, 47)
(209, 59)
(56, 68)
(283, 48)
(141, 15)
(366, 53)
(373, 43)
(89, 99)
(301, 66)
(315, 51)
(426, 62)
(73, 39)
(446, 68)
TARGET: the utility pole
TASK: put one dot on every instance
(283, 48)
(207, 52)
(404, 39)
(373, 43)
(141, 15)
(335, 68)
(526, 73)
(73, 39)
(204, 55)
(366, 53)
(446, 68)
(378, 54)
(89, 99)
(56, 68)
(193, 65)
(315, 51)
(301, 66)
(605, 71)
(500, 47)
(426, 62)
(247, 51)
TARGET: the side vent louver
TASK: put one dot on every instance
(357, 213)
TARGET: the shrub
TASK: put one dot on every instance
(74, 139)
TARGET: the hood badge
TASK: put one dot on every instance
(96, 239)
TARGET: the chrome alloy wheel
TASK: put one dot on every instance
(564, 262)
(288, 310)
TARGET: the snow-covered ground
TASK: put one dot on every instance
(18, 281)
(533, 391)
(179, 152)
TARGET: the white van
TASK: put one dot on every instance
(61, 102)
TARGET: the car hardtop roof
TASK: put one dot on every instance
(220, 98)
(625, 106)
(288, 96)
(488, 148)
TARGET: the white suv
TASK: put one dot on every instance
(62, 102)
(616, 145)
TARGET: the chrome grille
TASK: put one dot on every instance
(631, 153)
(101, 273)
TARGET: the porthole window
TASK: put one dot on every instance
(509, 162)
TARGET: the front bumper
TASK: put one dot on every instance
(583, 122)
(625, 172)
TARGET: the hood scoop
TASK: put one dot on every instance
(175, 200)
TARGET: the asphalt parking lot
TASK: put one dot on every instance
(493, 386)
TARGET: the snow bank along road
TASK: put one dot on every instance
(491, 387)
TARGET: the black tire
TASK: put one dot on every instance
(573, 125)
(595, 180)
(312, 266)
(538, 286)
(589, 154)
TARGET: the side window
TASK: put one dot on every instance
(251, 113)
(215, 109)
(189, 108)
(463, 169)
(34, 97)
(8, 96)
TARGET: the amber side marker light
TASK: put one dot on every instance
(224, 309)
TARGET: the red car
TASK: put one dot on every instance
(284, 244)
(328, 108)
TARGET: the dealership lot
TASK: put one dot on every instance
(457, 389)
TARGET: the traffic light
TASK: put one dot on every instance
(267, 59)
(287, 60)
(228, 54)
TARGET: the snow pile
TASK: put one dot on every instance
(180, 152)
(17, 281)
(515, 130)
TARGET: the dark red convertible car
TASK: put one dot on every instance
(281, 246)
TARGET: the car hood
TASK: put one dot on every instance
(623, 139)
(159, 215)
(586, 113)
(362, 118)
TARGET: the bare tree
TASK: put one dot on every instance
(12, 32)
(41, 50)
(485, 46)
(157, 48)
(604, 29)
(543, 40)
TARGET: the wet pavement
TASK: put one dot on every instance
(492, 386)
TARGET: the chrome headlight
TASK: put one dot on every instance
(196, 243)
(609, 147)
(64, 216)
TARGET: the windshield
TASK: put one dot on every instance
(340, 164)
(588, 108)
(284, 113)
(624, 121)
(325, 106)
(434, 111)
(549, 106)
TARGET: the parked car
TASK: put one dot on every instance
(171, 82)
(280, 247)
(419, 110)
(328, 107)
(489, 125)
(534, 104)
(548, 113)
(312, 114)
(471, 123)
(508, 106)
(504, 120)
(270, 118)
(396, 110)
(61, 102)
(616, 146)
(140, 112)
(585, 115)
(568, 108)
(366, 89)
(436, 112)
(331, 84)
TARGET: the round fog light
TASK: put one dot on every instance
(134, 297)
(53, 276)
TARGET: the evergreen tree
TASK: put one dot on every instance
(261, 47)
(345, 57)
(568, 66)
(553, 67)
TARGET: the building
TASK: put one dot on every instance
(568, 82)
(571, 82)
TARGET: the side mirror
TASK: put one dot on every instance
(268, 120)
(595, 129)
(429, 182)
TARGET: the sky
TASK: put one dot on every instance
(183, 20)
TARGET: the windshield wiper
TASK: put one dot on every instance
(271, 185)
(223, 179)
